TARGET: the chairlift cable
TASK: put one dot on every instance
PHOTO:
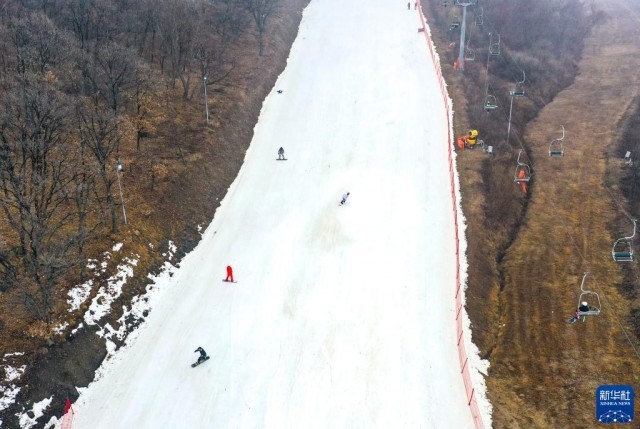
(585, 261)
(615, 200)
(611, 311)
(492, 28)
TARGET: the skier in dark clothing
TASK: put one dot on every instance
(344, 198)
(281, 153)
(584, 307)
(203, 354)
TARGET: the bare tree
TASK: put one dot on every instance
(177, 28)
(115, 68)
(85, 198)
(40, 45)
(147, 16)
(92, 21)
(213, 54)
(34, 176)
(100, 133)
(262, 11)
(145, 102)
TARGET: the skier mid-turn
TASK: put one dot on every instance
(203, 356)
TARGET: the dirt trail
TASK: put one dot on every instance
(544, 372)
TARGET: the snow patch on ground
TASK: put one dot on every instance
(101, 303)
(172, 250)
(52, 423)
(8, 395)
(38, 409)
(117, 247)
(9, 390)
(60, 328)
(13, 374)
(130, 321)
(80, 326)
(79, 294)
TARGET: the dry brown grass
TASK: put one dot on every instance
(544, 372)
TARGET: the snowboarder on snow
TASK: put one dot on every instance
(229, 274)
(344, 198)
(203, 354)
(281, 153)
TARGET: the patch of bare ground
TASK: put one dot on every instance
(527, 254)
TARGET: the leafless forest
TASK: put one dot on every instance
(81, 79)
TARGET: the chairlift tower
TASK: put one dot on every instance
(463, 28)
(511, 94)
(517, 92)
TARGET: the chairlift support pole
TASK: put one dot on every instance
(462, 38)
(463, 29)
(511, 93)
(206, 101)
(118, 170)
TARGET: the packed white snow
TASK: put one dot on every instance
(8, 389)
(101, 303)
(38, 409)
(342, 316)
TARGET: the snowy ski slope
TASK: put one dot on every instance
(342, 317)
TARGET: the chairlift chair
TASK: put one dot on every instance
(494, 47)
(479, 17)
(490, 102)
(627, 158)
(556, 149)
(622, 251)
(523, 171)
(456, 22)
(589, 297)
(470, 54)
(519, 90)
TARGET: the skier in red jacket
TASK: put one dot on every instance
(229, 274)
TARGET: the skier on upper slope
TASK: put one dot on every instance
(344, 198)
